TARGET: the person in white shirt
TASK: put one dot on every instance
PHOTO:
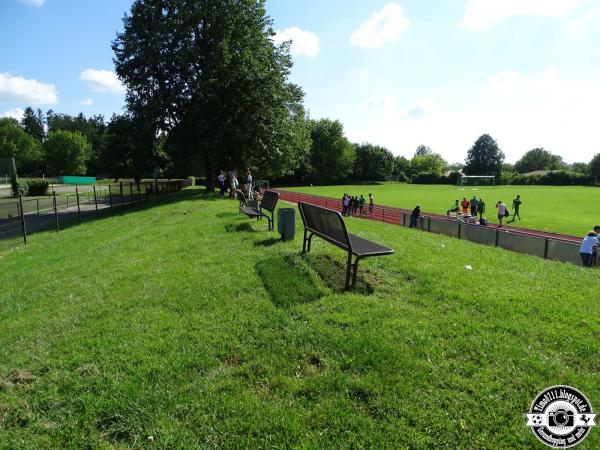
(501, 211)
(589, 244)
(249, 184)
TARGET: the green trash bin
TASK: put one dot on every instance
(286, 223)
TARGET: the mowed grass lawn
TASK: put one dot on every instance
(189, 326)
(572, 210)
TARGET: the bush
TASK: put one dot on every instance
(402, 178)
(22, 188)
(426, 178)
(453, 178)
(38, 187)
(555, 178)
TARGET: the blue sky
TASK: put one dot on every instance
(398, 74)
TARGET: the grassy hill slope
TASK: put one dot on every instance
(188, 325)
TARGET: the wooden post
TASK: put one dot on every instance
(121, 193)
(24, 228)
(131, 193)
(110, 197)
(95, 200)
(78, 207)
(55, 209)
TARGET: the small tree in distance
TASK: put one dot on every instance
(66, 153)
(484, 158)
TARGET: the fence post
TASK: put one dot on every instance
(546, 248)
(131, 193)
(95, 200)
(24, 228)
(67, 201)
(429, 224)
(37, 202)
(110, 197)
(121, 194)
(55, 209)
(78, 207)
(383, 212)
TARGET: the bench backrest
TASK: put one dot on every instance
(326, 223)
(269, 201)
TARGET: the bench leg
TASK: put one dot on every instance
(310, 241)
(355, 269)
(348, 271)
(304, 242)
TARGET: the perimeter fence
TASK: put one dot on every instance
(544, 245)
(21, 216)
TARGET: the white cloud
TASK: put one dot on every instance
(87, 102)
(102, 81)
(546, 108)
(382, 28)
(303, 42)
(19, 89)
(480, 13)
(15, 113)
(577, 27)
(37, 3)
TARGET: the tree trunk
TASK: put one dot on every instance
(210, 173)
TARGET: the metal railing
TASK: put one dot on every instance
(543, 245)
(20, 215)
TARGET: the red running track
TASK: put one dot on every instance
(395, 215)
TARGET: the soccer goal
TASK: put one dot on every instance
(476, 180)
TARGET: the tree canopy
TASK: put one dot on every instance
(211, 68)
(538, 159)
(332, 156)
(427, 162)
(66, 153)
(15, 142)
(372, 163)
(484, 157)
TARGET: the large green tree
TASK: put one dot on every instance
(427, 162)
(33, 123)
(94, 130)
(484, 157)
(372, 163)
(332, 154)
(15, 142)
(210, 72)
(66, 153)
(538, 159)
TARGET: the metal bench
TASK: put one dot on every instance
(268, 203)
(329, 225)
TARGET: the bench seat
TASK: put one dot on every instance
(268, 203)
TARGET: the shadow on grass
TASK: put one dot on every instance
(288, 281)
(333, 273)
(268, 242)
(244, 227)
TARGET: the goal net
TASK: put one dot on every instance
(476, 180)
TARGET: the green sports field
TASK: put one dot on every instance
(187, 325)
(560, 209)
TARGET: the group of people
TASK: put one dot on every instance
(476, 207)
(355, 206)
(229, 181)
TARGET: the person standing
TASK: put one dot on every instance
(481, 208)
(249, 184)
(473, 203)
(589, 244)
(414, 217)
(371, 203)
(347, 205)
(465, 205)
(361, 205)
(221, 181)
(501, 212)
(516, 204)
(344, 204)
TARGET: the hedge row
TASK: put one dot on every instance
(558, 178)
(32, 187)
